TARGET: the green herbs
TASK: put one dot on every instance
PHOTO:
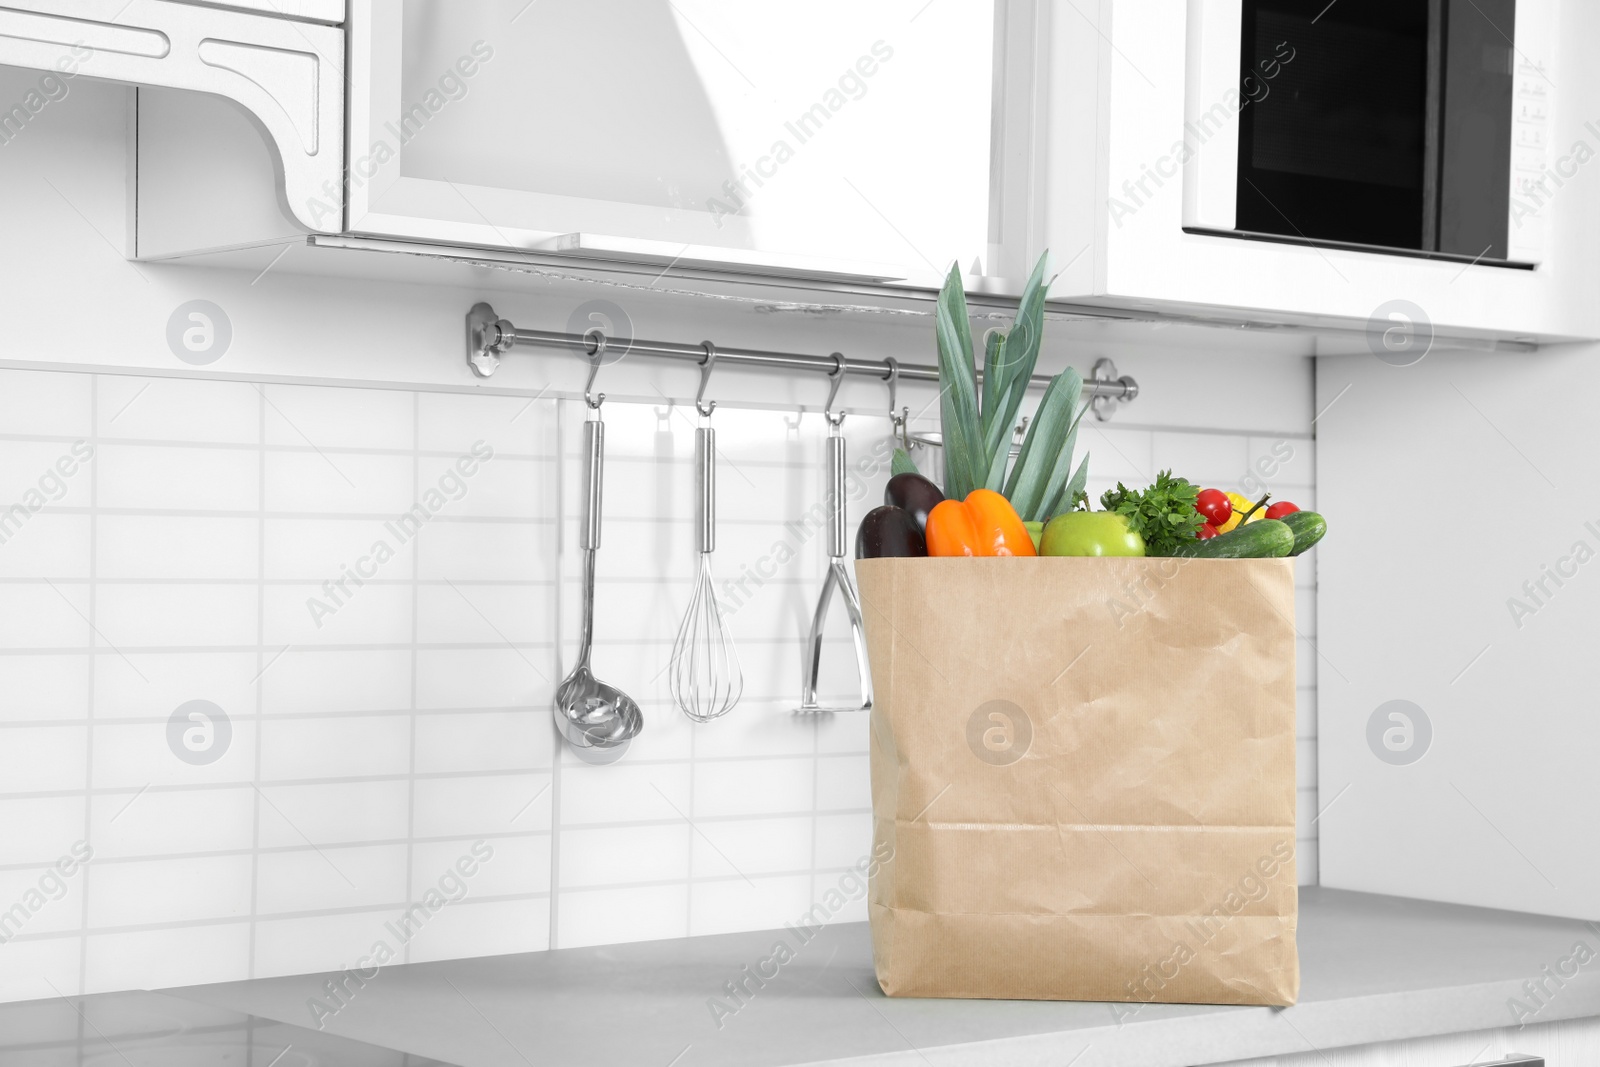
(1164, 514)
(977, 438)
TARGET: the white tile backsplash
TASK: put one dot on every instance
(386, 685)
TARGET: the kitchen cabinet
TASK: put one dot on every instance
(1457, 604)
(823, 138)
(331, 12)
(1125, 96)
(286, 74)
(872, 145)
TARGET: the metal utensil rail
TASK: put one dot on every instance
(489, 337)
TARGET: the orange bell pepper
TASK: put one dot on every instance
(984, 524)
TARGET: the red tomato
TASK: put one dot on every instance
(1205, 532)
(1214, 505)
(1282, 508)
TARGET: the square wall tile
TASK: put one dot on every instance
(326, 550)
(39, 830)
(308, 615)
(349, 483)
(489, 928)
(47, 403)
(483, 741)
(1279, 464)
(612, 916)
(154, 822)
(502, 487)
(753, 787)
(489, 867)
(44, 758)
(480, 805)
(756, 728)
(194, 615)
(479, 613)
(509, 425)
(321, 879)
(759, 904)
(46, 614)
(485, 678)
(29, 475)
(620, 855)
(135, 755)
(456, 547)
(177, 477)
(843, 782)
(322, 943)
(45, 545)
(1117, 455)
(42, 900)
(340, 813)
(328, 417)
(152, 685)
(312, 680)
(172, 547)
(744, 848)
(42, 687)
(844, 840)
(624, 792)
(40, 969)
(178, 409)
(142, 892)
(1206, 459)
(336, 746)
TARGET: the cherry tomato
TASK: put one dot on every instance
(1214, 505)
(1282, 508)
(1206, 531)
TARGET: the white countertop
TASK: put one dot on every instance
(1373, 969)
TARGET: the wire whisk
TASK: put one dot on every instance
(706, 680)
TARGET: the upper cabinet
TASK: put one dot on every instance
(827, 137)
(1414, 162)
(285, 73)
(1397, 167)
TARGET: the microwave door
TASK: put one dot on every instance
(1474, 132)
(1414, 127)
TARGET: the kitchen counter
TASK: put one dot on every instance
(1373, 969)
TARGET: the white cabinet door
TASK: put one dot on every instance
(818, 136)
(1125, 100)
(1458, 628)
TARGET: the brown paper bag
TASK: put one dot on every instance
(1083, 770)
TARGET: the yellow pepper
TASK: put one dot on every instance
(1241, 504)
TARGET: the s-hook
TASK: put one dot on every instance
(838, 578)
(898, 419)
(706, 366)
(596, 336)
(836, 377)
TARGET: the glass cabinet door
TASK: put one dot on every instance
(824, 137)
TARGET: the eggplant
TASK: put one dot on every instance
(915, 494)
(889, 531)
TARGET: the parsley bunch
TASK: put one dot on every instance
(1164, 514)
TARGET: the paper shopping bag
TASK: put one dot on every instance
(1083, 775)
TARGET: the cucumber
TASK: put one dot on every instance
(1308, 528)
(1262, 539)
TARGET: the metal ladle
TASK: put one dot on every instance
(598, 720)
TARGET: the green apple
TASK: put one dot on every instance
(1090, 533)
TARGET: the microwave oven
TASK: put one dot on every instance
(1411, 127)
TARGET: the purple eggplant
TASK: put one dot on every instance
(915, 494)
(889, 531)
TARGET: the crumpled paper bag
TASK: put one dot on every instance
(1084, 772)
